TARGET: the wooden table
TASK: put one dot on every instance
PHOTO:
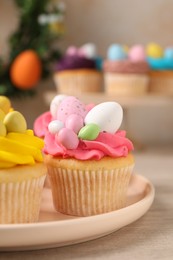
(151, 237)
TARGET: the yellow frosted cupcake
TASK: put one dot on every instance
(89, 161)
(22, 172)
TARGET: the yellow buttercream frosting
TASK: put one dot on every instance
(20, 149)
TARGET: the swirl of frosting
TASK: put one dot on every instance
(160, 64)
(73, 62)
(126, 66)
(20, 149)
(106, 144)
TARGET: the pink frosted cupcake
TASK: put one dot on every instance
(126, 73)
(89, 161)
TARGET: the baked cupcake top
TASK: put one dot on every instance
(72, 129)
(84, 57)
(120, 59)
(159, 58)
(18, 145)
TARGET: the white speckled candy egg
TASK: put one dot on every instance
(55, 104)
(108, 116)
(55, 126)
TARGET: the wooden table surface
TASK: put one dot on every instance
(150, 237)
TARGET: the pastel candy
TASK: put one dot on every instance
(2, 114)
(154, 50)
(70, 105)
(74, 122)
(67, 138)
(116, 52)
(137, 53)
(5, 104)
(71, 51)
(168, 53)
(89, 132)
(15, 122)
(55, 104)
(3, 130)
(55, 126)
(108, 116)
(89, 50)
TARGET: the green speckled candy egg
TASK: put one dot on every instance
(15, 122)
(89, 132)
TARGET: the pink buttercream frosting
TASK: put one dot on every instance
(105, 144)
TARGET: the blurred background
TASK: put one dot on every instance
(101, 22)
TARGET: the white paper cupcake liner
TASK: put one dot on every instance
(20, 202)
(85, 193)
(78, 83)
(126, 84)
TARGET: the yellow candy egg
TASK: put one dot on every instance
(3, 130)
(154, 50)
(15, 122)
(5, 104)
(2, 115)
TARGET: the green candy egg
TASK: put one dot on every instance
(15, 122)
(89, 132)
(3, 130)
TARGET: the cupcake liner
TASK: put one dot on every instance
(78, 82)
(126, 84)
(161, 85)
(86, 193)
(20, 201)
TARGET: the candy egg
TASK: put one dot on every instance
(67, 138)
(15, 122)
(116, 52)
(74, 122)
(108, 116)
(55, 104)
(55, 126)
(89, 49)
(71, 51)
(137, 53)
(154, 50)
(3, 130)
(2, 114)
(70, 105)
(89, 132)
(5, 104)
(168, 53)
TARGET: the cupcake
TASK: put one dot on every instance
(22, 172)
(126, 71)
(78, 71)
(161, 69)
(89, 160)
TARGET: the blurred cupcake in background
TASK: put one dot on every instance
(126, 70)
(79, 71)
(161, 69)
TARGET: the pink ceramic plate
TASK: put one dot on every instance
(55, 229)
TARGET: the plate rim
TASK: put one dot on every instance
(76, 222)
(83, 219)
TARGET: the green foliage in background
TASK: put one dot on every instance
(40, 25)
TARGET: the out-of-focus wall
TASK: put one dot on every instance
(113, 21)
